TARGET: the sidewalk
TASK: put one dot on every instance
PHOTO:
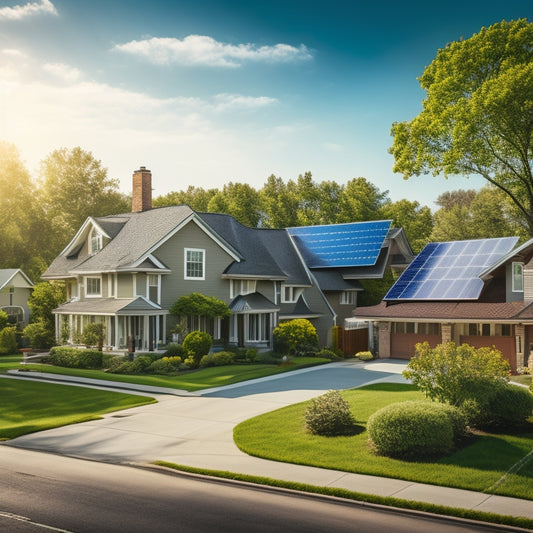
(196, 429)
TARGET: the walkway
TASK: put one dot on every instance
(196, 429)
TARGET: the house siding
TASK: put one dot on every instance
(216, 261)
(125, 286)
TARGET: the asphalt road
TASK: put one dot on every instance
(44, 492)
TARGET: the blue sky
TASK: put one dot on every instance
(207, 92)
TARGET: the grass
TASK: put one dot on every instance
(280, 435)
(30, 406)
(189, 381)
(469, 514)
(524, 379)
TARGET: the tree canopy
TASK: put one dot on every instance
(477, 117)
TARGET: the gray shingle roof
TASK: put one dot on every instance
(109, 306)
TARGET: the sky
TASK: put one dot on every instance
(205, 92)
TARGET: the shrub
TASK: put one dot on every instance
(326, 353)
(364, 356)
(251, 355)
(217, 359)
(4, 319)
(174, 350)
(297, 336)
(453, 374)
(196, 344)
(165, 365)
(329, 415)
(507, 406)
(76, 358)
(94, 335)
(39, 335)
(8, 340)
(411, 429)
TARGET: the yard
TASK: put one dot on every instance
(482, 465)
(189, 381)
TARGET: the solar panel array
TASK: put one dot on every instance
(341, 245)
(450, 270)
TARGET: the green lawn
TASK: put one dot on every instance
(280, 435)
(189, 381)
(30, 406)
(524, 379)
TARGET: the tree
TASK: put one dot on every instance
(76, 186)
(416, 220)
(196, 198)
(239, 200)
(19, 204)
(279, 203)
(200, 305)
(360, 200)
(477, 117)
(454, 374)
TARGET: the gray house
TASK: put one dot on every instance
(127, 271)
(15, 289)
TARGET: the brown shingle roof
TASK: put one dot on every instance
(504, 311)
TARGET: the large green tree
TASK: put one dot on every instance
(75, 185)
(477, 117)
(239, 200)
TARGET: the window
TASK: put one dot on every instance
(194, 263)
(290, 294)
(96, 241)
(347, 298)
(258, 327)
(153, 287)
(518, 277)
(93, 287)
(242, 286)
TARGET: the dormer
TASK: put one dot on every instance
(96, 241)
(89, 240)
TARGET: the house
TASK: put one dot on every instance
(127, 271)
(15, 289)
(478, 292)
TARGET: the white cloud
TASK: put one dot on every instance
(32, 8)
(204, 50)
(12, 52)
(63, 72)
(225, 102)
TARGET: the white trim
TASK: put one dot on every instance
(76, 240)
(87, 295)
(295, 292)
(185, 262)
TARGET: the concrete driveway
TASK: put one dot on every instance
(197, 429)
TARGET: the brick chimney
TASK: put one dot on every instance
(141, 195)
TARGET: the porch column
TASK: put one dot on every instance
(164, 338)
(58, 328)
(446, 333)
(519, 331)
(70, 329)
(146, 330)
(117, 336)
(384, 340)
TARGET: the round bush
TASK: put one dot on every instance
(165, 365)
(509, 406)
(174, 350)
(329, 415)
(364, 356)
(217, 359)
(197, 344)
(411, 429)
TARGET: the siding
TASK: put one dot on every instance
(171, 253)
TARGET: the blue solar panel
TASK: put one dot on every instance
(449, 270)
(341, 245)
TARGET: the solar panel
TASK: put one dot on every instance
(341, 245)
(449, 270)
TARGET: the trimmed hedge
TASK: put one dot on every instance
(217, 359)
(413, 429)
(329, 415)
(76, 358)
(196, 344)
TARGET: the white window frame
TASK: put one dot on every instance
(153, 280)
(186, 262)
(347, 298)
(96, 241)
(516, 276)
(293, 291)
(242, 286)
(93, 295)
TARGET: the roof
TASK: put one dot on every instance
(267, 253)
(454, 311)
(245, 303)
(110, 306)
(8, 274)
(341, 245)
(332, 280)
(450, 270)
